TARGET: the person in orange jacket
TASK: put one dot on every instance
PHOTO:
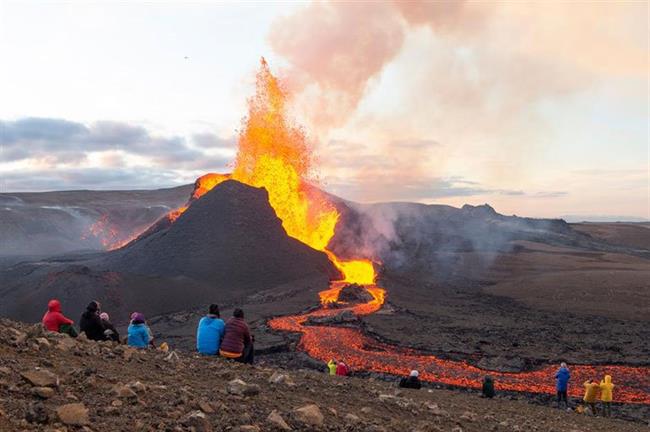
(606, 391)
(591, 395)
(55, 321)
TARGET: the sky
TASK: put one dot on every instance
(537, 108)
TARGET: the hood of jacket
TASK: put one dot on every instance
(608, 379)
(92, 307)
(54, 306)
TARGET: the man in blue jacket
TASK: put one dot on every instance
(210, 332)
(562, 378)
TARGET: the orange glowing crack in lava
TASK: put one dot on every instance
(274, 154)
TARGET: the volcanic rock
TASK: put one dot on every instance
(37, 413)
(354, 293)
(41, 378)
(346, 316)
(74, 414)
(309, 415)
(276, 419)
(198, 421)
(240, 388)
(279, 378)
(43, 392)
(502, 364)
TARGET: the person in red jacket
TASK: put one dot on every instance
(342, 369)
(55, 321)
(237, 343)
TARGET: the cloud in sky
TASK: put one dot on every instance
(515, 104)
(50, 153)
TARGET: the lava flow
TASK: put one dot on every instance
(364, 353)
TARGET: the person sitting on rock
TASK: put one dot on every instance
(210, 332)
(331, 367)
(110, 332)
(237, 343)
(412, 381)
(606, 391)
(91, 324)
(488, 387)
(591, 395)
(562, 378)
(55, 321)
(138, 332)
(342, 369)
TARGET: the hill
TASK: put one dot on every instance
(52, 223)
(51, 382)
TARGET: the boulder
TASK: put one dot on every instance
(354, 293)
(137, 387)
(276, 419)
(278, 378)
(240, 388)
(124, 391)
(43, 392)
(41, 378)
(197, 421)
(309, 415)
(74, 414)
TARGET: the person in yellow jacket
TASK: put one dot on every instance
(606, 390)
(591, 395)
(331, 367)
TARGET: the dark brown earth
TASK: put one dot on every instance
(50, 382)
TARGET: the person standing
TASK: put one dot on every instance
(237, 343)
(331, 367)
(562, 378)
(412, 381)
(606, 395)
(488, 387)
(591, 395)
(55, 321)
(91, 324)
(210, 331)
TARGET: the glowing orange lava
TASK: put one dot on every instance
(108, 233)
(364, 353)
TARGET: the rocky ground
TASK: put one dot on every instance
(52, 383)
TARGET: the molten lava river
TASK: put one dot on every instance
(364, 353)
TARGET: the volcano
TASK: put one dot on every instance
(231, 237)
(226, 246)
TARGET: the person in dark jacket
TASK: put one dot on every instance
(110, 332)
(562, 378)
(91, 324)
(55, 321)
(488, 387)
(237, 343)
(412, 381)
(210, 332)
